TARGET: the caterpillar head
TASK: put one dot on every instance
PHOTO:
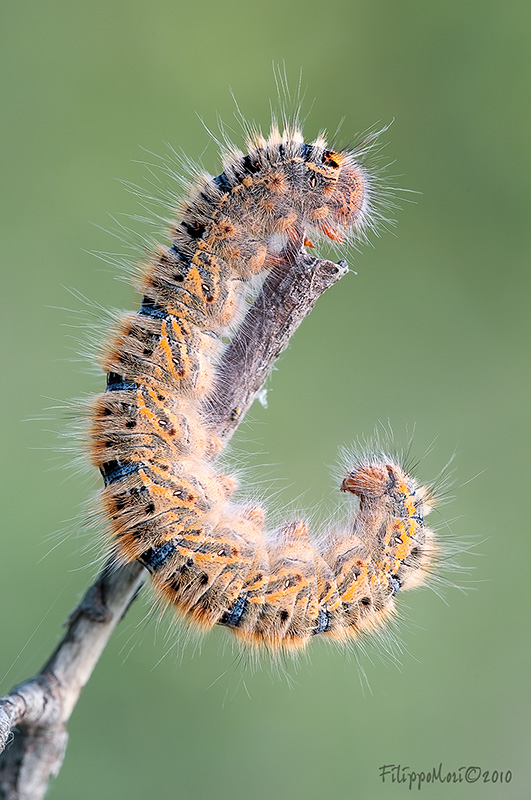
(337, 195)
(349, 198)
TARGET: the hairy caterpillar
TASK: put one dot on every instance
(166, 502)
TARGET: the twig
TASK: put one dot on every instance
(40, 707)
(286, 298)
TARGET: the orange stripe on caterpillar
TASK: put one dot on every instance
(164, 499)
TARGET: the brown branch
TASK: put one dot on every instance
(40, 707)
(286, 298)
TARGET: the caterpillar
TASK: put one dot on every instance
(166, 502)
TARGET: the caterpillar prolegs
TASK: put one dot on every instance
(166, 501)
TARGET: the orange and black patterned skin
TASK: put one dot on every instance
(166, 503)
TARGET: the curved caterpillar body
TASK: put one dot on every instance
(165, 500)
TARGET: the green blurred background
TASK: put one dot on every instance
(431, 333)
